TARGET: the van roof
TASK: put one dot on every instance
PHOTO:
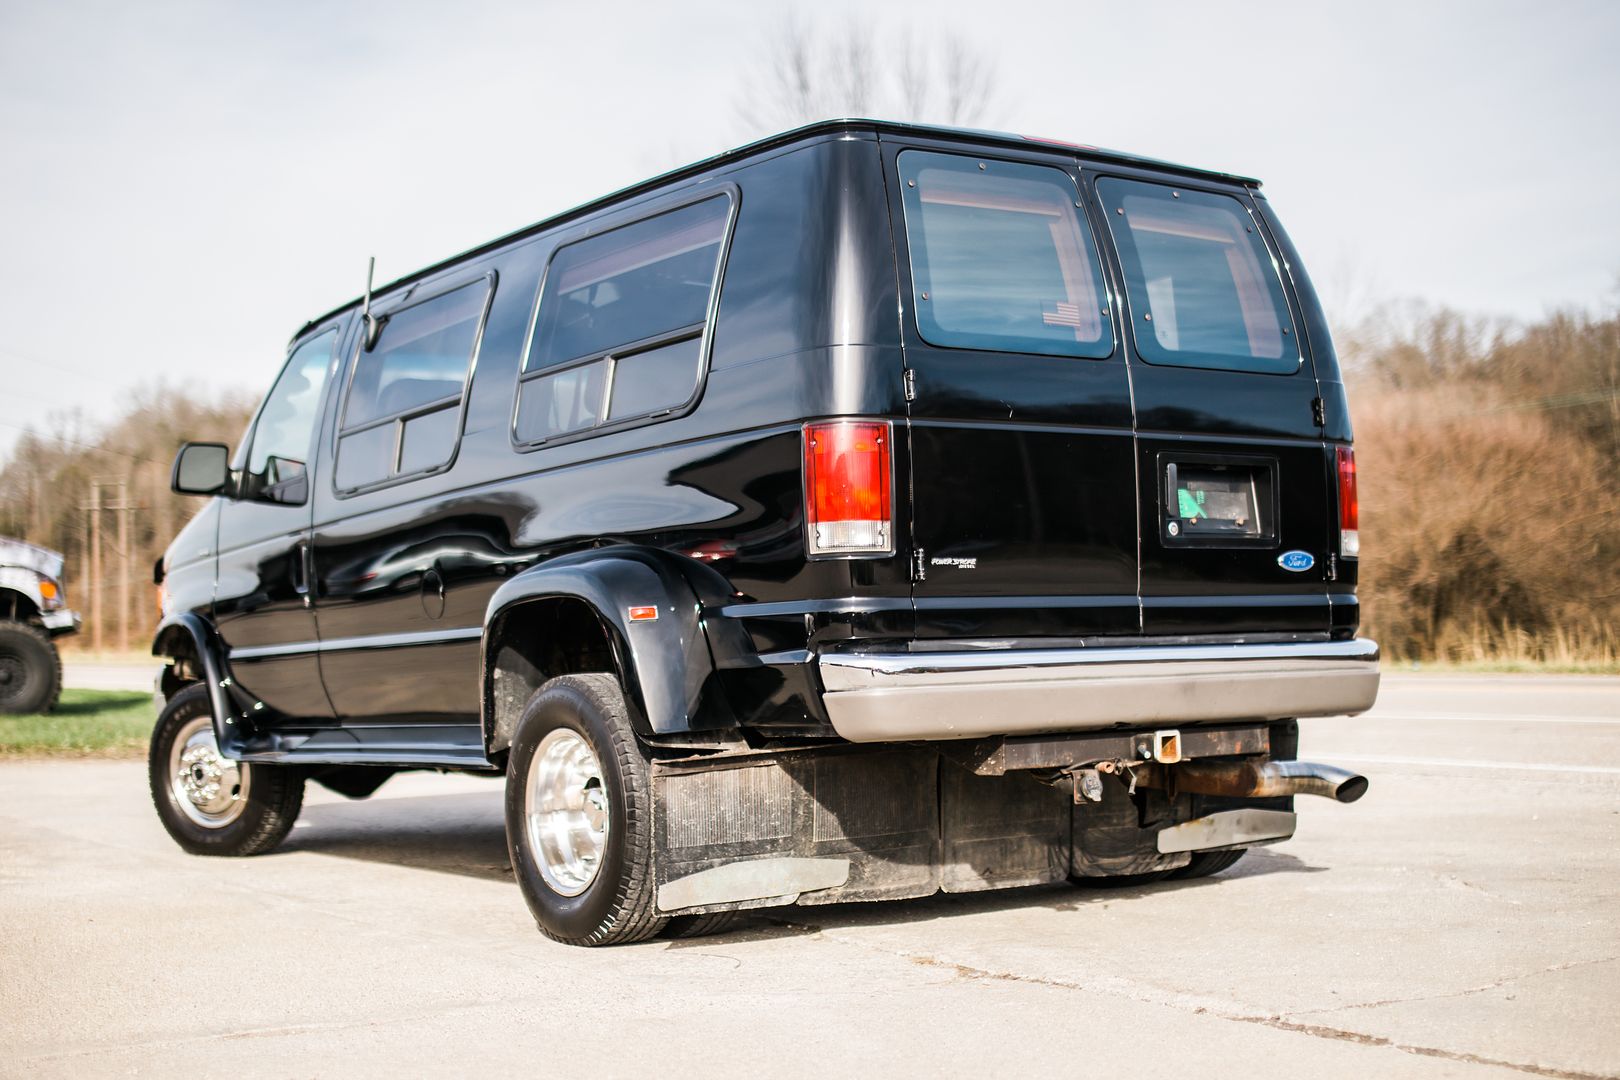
(819, 129)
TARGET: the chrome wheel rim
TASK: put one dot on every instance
(209, 789)
(567, 811)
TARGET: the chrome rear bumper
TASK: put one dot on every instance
(892, 697)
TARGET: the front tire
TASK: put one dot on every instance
(579, 814)
(209, 804)
(30, 669)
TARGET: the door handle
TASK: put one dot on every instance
(301, 572)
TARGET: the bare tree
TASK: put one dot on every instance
(807, 74)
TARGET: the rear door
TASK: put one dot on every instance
(1022, 471)
(1233, 480)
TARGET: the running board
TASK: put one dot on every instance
(451, 746)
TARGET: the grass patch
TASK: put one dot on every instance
(103, 723)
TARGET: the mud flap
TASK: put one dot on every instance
(1112, 838)
(843, 824)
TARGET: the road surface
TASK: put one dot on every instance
(1461, 920)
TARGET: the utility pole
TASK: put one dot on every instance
(95, 564)
(124, 510)
(96, 577)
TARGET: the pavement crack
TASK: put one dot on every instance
(1321, 1031)
(1506, 980)
(1227, 1011)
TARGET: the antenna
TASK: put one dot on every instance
(365, 312)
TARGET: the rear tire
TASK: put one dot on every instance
(1205, 863)
(1120, 881)
(695, 926)
(209, 804)
(30, 669)
(579, 815)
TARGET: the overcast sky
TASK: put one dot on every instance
(183, 184)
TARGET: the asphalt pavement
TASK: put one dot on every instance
(1463, 919)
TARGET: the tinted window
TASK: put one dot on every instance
(658, 378)
(1001, 257)
(421, 356)
(629, 284)
(619, 331)
(286, 428)
(1204, 290)
(403, 412)
(562, 402)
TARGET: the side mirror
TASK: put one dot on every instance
(201, 468)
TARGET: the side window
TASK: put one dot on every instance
(1001, 257)
(1204, 290)
(278, 458)
(618, 334)
(402, 412)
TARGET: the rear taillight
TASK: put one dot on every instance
(847, 481)
(1349, 511)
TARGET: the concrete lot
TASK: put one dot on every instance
(1461, 920)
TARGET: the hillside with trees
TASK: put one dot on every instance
(1489, 462)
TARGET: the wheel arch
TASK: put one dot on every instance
(186, 637)
(572, 615)
(19, 599)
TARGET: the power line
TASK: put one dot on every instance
(80, 445)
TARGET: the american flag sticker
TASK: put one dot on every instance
(1065, 315)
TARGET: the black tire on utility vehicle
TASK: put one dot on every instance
(1119, 881)
(695, 926)
(30, 669)
(579, 814)
(1205, 863)
(210, 804)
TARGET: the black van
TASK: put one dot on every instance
(866, 512)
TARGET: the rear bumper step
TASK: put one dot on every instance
(891, 697)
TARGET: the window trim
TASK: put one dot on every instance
(1071, 171)
(1125, 301)
(240, 461)
(407, 300)
(703, 331)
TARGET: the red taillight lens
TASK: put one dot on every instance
(847, 480)
(1349, 509)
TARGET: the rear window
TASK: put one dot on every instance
(619, 331)
(1204, 290)
(1001, 258)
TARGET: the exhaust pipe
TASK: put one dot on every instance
(1254, 779)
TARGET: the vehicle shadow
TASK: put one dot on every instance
(789, 921)
(465, 834)
(452, 834)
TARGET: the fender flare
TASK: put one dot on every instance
(664, 662)
(188, 625)
(24, 583)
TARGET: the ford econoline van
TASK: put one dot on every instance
(870, 511)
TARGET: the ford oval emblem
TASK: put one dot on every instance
(1297, 561)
